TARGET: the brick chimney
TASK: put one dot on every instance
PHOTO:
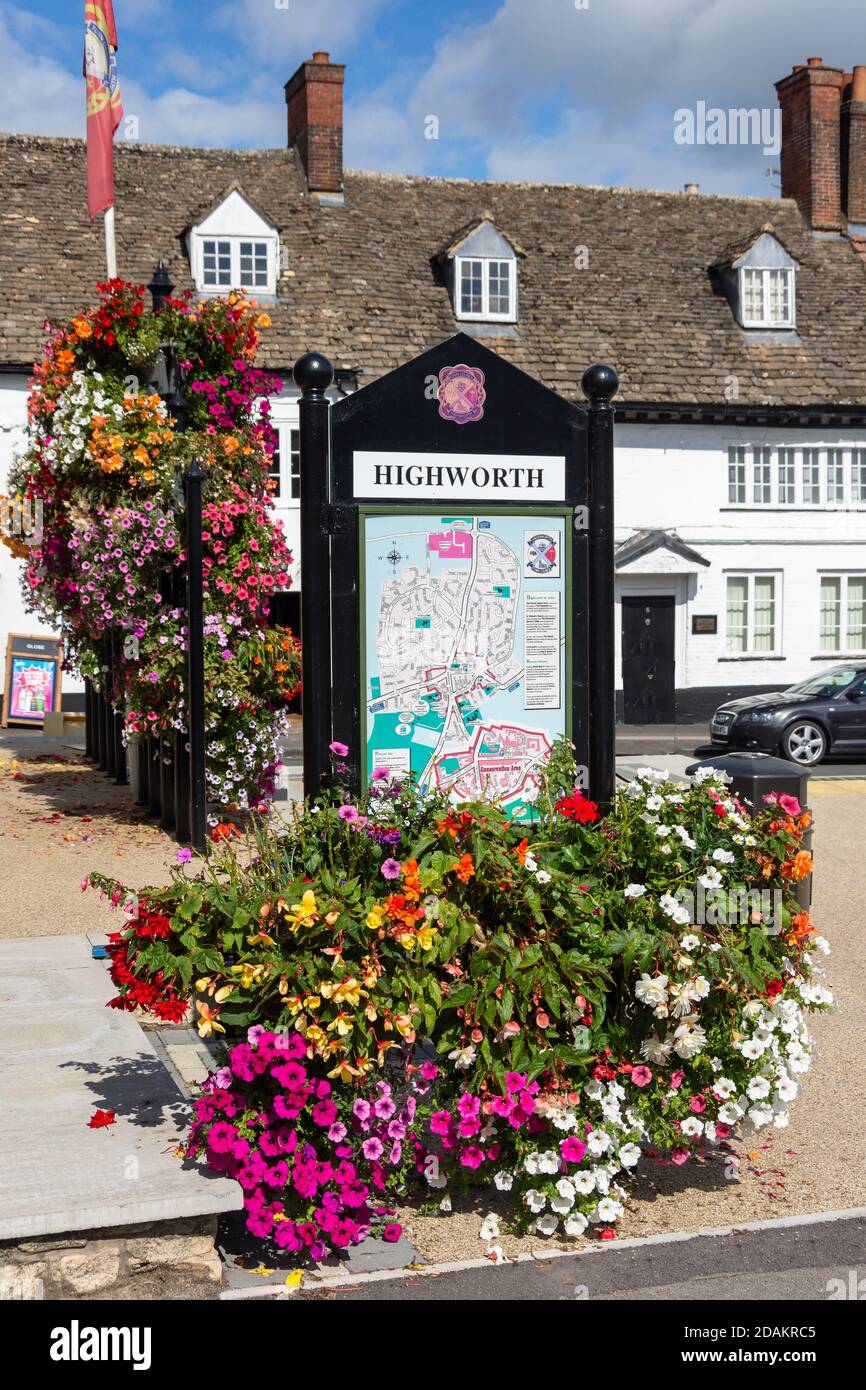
(314, 97)
(811, 98)
(854, 148)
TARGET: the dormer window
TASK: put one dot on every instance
(767, 297)
(234, 247)
(481, 273)
(487, 288)
(759, 279)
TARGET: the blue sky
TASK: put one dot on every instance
(581, 91)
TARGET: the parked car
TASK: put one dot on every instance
(825, 714)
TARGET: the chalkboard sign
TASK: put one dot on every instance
(32, 686)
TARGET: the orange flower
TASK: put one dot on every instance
(522, 851)
(82, 328)
(805, 820)
(464, 868)
(799, 867)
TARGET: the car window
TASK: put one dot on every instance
(828, 683)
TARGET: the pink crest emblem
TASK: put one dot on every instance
(461, 394)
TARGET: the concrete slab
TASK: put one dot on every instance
(66, 1055)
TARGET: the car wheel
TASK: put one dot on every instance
(804, 743)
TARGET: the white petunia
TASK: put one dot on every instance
(489, 1227)
(690, 942)
(689, 1038)
(730, 1113)
(584, 1182)
(723, 856)
(503, 1181)
(608, 1209)
(535, 1200)
(674, 909)
(546, 1225)
(787, 1089)
(711, 878)
(576, 1224)
(760, 1115)
(629, 1155)
(758, 1088)
(565, 1188)
(692, 1126)
(598, 1142)
(723, 1088)
(634, 890)
(549, 1161)
(542, 876)
(752, 1048)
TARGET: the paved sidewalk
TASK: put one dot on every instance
(65, 1056)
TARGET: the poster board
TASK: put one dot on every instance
(464, 653)
(459, 575)
(32, 685)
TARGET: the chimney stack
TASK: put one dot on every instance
(811, 99)
(854, 149)
(314, 97)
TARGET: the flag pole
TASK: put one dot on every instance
(110, 245)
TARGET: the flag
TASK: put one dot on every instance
(104, 109)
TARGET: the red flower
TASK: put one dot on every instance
(607, 1234)
(774, 987)
(577, 808)
(100, 1119)
(225, 832)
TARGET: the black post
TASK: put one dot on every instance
(143, 753)
(600, 384)
(88, 718)
(313, 374)
(195, 649)
(121, 775)
(160, 286)
(154, 780)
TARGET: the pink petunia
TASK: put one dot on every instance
(641, 1076)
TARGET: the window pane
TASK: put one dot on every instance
(778, 286)
(736, 474)
(295, 462)
(787, 477)
(499, 283)
(762, 486)
(811, 478)
(254, 264)
(831, 609)
(274, 470)
(858, 475)
(765, 613)
(470, 287)
(753, 288)
(738, 613)
(856, 639)
(835, 475)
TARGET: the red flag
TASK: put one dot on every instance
(104, 108)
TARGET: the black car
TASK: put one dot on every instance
(826, 714)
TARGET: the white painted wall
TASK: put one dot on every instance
(675, 478)
(13, 614)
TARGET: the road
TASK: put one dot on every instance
(815, 1260)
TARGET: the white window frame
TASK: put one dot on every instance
(844, 647)
(486, 315)
(737, 486)
(762, 476)
(234, 243)
(750, 654)
(288, 494)
(786, 476)
(858, 476)
(766, 321)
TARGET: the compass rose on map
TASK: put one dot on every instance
(394, 557)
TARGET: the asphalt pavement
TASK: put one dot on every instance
(812, 1259)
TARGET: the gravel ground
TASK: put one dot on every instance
(59, 819)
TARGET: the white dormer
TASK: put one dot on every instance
(759, 278)
(233, 248)
(481, 270)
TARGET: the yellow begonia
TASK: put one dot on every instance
(375, 919)
(304, 913)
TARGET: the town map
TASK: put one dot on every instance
(465, 651)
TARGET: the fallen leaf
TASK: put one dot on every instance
(295, 1279)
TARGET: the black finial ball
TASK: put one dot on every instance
(313, 372)
(599, 382)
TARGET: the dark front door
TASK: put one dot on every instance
(648, 660)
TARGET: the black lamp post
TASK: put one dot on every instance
(600, 383)
(160, 287)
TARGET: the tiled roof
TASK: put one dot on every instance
(361, 281)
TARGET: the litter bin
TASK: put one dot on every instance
(752, 776)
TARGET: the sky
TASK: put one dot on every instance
(572, 91)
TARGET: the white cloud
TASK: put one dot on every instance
(38, 96)
(291, 30)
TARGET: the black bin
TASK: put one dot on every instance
(752, 776)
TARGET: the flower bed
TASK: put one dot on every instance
(421, 997)
(103, 461)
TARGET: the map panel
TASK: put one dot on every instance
(464, 637)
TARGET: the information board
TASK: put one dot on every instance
(464, 650)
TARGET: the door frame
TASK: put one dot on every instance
(643, 586)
